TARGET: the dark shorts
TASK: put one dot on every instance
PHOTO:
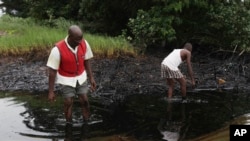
(168, 73)
(68, 91)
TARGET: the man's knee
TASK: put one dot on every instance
(68, 102)
(84, 103)
(182, 81)
(170, 82)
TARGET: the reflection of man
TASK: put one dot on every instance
(68, 132)
(84, 131)
(69, 66)
(169, 127)
(70, 136)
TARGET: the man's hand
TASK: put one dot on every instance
(93, 85)
(51, 97)
(193, 84)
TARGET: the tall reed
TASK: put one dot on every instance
(20, 36)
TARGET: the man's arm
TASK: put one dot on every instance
(52, 77)
(189, 67)
(90, 74)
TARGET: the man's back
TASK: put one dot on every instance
(173, 60)
(185, 54)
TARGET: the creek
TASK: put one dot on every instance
(142, 117)
(129, 103)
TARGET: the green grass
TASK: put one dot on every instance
(110, 46)
(20, 36)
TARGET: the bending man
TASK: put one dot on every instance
(170, 70)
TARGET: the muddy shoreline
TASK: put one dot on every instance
(129, 75)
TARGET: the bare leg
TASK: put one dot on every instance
(85, 106)
(170, 83)
(182, 82)
(68, 104)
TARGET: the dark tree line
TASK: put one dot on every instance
(222, 24)
(109, 16)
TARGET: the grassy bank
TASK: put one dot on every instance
(24, 37)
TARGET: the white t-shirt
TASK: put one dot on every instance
(173, 60)
(54, 63)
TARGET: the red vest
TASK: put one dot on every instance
(70, 64)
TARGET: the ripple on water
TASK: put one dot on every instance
(12, 126)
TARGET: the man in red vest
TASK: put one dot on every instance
(69, 66)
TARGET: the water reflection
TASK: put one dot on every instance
(68, 132)
(12, 126)
(143, 117)
(72, 135)
(170, 126)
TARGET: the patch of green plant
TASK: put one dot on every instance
(110, 46)
(20, 36)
